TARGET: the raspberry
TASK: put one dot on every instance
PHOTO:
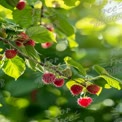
(84, 102)
(93, 89)
(21, 5)
(23, 36)
(76, 89)
(58, 82)
(48, 78)
(19, 43)
(10, 53)
(30, 42)
(46, 44)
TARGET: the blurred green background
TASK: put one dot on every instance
(98, 26)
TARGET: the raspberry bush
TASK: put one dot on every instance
(35, 29)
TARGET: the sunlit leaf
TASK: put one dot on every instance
(100, 70)
(66, 4)
(5, 13)
(28, 17)
(41, 34)
(113, 82)
(14, 67)
(78, 66)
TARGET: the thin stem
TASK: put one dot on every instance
(95, 78)
(29, 58)
(42, 13)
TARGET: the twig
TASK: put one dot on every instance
(29, 58)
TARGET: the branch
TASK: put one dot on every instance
(29, 58)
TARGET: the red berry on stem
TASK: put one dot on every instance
(93, 89)
(23, 36)
(46, 44)
(21, 5)
(58, 82)
(76, 89)
(19, 43)
(48, 78)
(10, 53)
(84, 102)
(30, 42)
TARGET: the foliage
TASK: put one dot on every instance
(85, 43)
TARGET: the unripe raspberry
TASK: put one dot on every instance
(58, 82)
(48, 78)
(30, 43)
(93, 89)
(10, 53)
(21, 5)
(84, 102)
(76, 89)
(46, 44)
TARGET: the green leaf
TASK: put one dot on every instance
(101, 82)
(65, 4)
(33, 55)
(62, 24)
(41, 34)
(100, 70)
(71, 2)
(78, 66)
(71, 83)
(26, 17)
(14, 67)
(13, 3)
(5, 4)
(65, 27)
(72, 42)
(113, 82)
(79, 80)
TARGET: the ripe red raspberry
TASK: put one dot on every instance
(48, 78)
(19, 43)
(21, 5)
(84, 102)
(23, 37)
(58, 82)
(30, 42)
(93, 89)
(10, 53)
(46, 44)
(76, 89)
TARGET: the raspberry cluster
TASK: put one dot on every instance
(50, 78)
(24, 40)
(84, 101)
